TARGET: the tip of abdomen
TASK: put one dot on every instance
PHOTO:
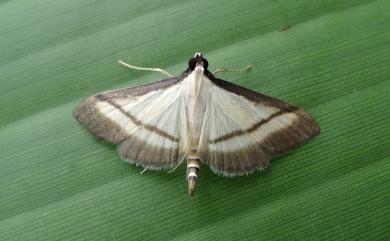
(192, 169)
(191, 186)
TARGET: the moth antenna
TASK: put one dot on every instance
(161, 71)
(221, 70)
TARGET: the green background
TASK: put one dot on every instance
(59, 183)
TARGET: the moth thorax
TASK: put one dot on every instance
(192, 170)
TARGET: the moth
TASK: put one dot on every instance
(196, 117)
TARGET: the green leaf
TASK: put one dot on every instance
(330, 57)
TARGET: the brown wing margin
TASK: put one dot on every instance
(303, 128)
(88, 115)
(251, 95)
(130, 148)
(142, 89)
(306, 122)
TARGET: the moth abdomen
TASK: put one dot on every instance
(192, 174)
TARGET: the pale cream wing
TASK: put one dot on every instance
(244, 129)
(141, 120)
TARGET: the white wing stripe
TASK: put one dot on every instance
(130, 124)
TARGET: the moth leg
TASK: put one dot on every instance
(161, 71)
(143, 171)
(178, 164)
(221, 70)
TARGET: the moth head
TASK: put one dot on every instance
(197, 60)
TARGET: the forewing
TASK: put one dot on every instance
(142, 121)
(243, 129)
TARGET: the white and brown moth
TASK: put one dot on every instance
(196, 117)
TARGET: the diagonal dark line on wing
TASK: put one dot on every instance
(137, 122)
(256, 98)
(251, 129)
